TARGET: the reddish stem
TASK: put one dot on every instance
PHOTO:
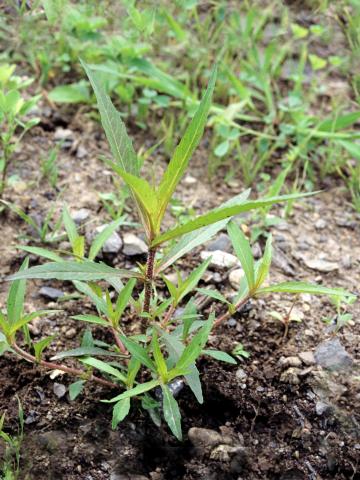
(228, 314)
(118, 342)
(149, 276)
(63, 368)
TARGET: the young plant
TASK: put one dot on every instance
(10, 468)
(165, 342)
(14, 115)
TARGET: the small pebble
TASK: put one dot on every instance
(133, 245)
(307, 358)
(59, 389)
(220, 259)
(51, 293)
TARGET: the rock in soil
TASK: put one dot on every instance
(59, 389)
(79, 216)
(307, 358)
(285, 362)
(291, 375)
(220, 259)
(50, 293)
(321, 265)
(133, 245)
(235, 278)
(113, 244)
(222, 242)
(332, 355)
(322, 408)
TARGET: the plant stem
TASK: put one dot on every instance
(227, 315)
(168, 316)
(54, 366)
(149, 276)
(119, 342)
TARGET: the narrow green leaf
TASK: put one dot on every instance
(338, 123)
(158, 356)
(40, 346)
(29, 220)
(84, 351)
(194, 239)
(104, 367)
(213, 294)
(138, 390)
(304, 287)
(193, 279)
(185, 149)
(4, 326)
(265, 263)
(219, 355)
(84, 270)
(91, 319)
(120, 411)
(352, 147)
(142, 190)
(42, 252)
(172, 413)
(193, 350)
(99, 302)
(25, 319)
(139, 352)
(175, 349)
(243, 252)
(217, 215)
(70, 227)
(124, 298)
(120, 143)
(15, 300)
(101, 237)
(71, 93)
(75, 389)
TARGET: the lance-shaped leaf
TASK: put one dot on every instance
(264, 264)
(304, 287)
(194, 239)
(101, 237)
(15, 300)
(120, 143)
(171, 411)
(138, 390)
(103, 367)
(185, 149)
(74, 271)
(145, 198)
(221, 214)
(243, 252)
(120, 411)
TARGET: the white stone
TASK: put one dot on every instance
(220, 259)
(133, 245)
(235, 277)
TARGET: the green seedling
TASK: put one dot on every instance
(77, 241)
(14, 116)
(49, 168)
(165, 343)
(10, 464)
(44, 232)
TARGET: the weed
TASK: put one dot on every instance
(14, 115)
(167, 342)
(10, 468)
